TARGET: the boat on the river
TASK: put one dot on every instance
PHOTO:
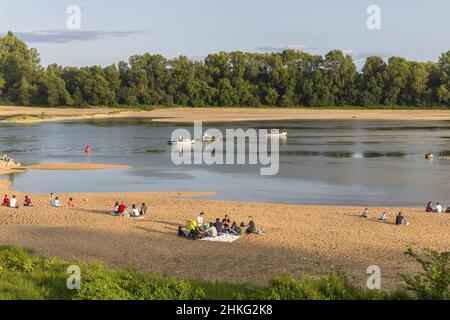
(276, 133)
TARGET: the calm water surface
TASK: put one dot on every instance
(322, 162)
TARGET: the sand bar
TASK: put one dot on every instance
(183, 115)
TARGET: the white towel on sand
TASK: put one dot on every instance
(223, 238)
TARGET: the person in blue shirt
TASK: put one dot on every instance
(56, 202)
(219, 225)
(383, 217)
(251, 226)
(181, 232)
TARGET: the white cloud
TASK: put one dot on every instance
(63, 36)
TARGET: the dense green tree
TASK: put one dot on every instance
(52, 88)
(397, 73)
(372, 81)
(340, 75)
(443, 91)
(19, 66)
(237, 78)
(419, 92)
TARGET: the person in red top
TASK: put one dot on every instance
(87, 150)
(5, 200)
(27, 202)
(122, 208)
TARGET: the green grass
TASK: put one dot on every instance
(24, 275)
(27, 276)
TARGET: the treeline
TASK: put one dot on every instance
(289, 78)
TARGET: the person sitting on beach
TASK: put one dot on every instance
(193, 231)
(134, 211)
(51, 197)
(5, 201)
(234, 229)
(143, 210)
(226, 224)
(122, 208)
(242, 229)
(401, 220)
(383, 217)
(429, 208)
(70, 203)
(56, 202)
(116, 208)
(27, 202)
(438, 208)
(211, 232)
(181, 232)
(251, 226)
(365, 214)
(201, 221)
(218, 225)
(13, 202)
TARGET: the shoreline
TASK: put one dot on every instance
(303, 240)
(30, 115)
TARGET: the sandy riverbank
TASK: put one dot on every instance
(183, 115)
(300, 239)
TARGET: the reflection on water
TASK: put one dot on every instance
(336, 162)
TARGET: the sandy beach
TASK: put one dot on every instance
(300, 239)
(186, 115)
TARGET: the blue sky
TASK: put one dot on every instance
(112, 30)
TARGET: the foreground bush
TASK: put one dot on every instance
(433, 283)
(27, 276)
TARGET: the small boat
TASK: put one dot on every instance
(275, 133)
(181, 142)
(209, 139)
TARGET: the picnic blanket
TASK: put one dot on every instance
(226, 237)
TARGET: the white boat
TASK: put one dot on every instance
(208, 139)
(182, 142)
(275, 133)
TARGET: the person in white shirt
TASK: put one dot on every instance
(438, 208)
(134, 211)
(13, 202)
(200, 221)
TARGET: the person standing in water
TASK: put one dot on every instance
(87, 150)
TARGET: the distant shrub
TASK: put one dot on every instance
(433, 283)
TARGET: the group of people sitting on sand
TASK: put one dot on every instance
(198, 229)
(27, 202)
(14, 203)
(56, 203)
(437, 209)
(120, 209)
(400, 219)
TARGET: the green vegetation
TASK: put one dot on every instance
(27, 276)
(434, 281)
(289, 78)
